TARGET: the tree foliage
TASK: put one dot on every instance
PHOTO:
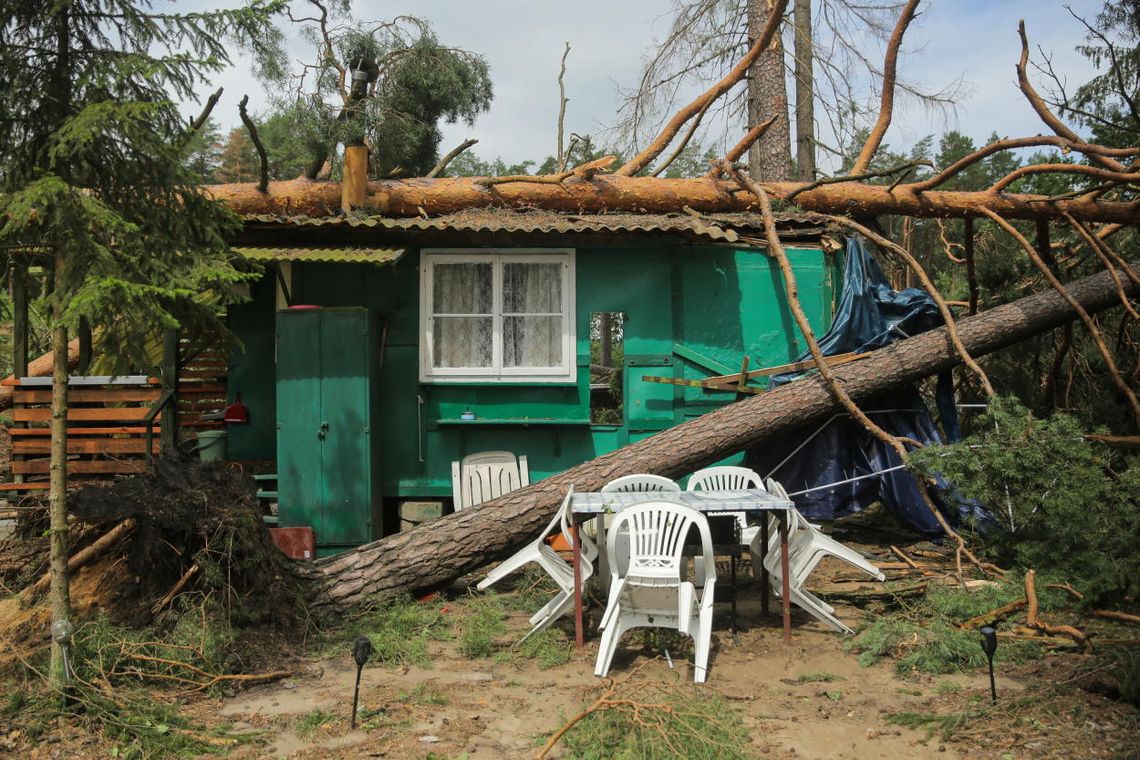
(95, 155)
(1062, 503)
(387, 84)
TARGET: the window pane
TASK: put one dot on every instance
(532, 288)
(532, 342)
(462, 288)
(462, 341)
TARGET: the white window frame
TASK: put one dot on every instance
(497, 257)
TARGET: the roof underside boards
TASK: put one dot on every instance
(378, 256)
(501, 225)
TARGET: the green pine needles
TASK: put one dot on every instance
(1064, 504)
(94, 155)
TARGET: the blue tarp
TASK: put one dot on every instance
(870, 315)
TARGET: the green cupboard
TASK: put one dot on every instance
(327, 424)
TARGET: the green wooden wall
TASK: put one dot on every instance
(685, 306)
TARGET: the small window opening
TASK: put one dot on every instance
(607, 359)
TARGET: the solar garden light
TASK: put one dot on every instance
(361, 651)
(989, 646)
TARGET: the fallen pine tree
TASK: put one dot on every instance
(435, 554)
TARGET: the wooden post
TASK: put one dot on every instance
(84, 346)
(354, 186)
(168, 434)
(19, 316)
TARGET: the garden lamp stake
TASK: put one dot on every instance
(989, 646)
(361, 651)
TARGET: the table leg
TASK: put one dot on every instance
(579, 633)
(763, 570)
(785, 590)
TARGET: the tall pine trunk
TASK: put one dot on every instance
(805, 95)
(770, 157)
(60, 593)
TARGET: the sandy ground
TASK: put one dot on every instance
(484, 709)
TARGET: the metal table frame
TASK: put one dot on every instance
(586, 505)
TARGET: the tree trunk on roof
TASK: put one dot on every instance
(435, 554)
(612, 193)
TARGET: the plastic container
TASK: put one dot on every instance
(212, 445)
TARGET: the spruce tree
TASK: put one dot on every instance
(93, 176)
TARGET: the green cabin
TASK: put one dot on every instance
(374, 352)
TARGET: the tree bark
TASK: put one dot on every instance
(805, 94)
(59, 592)
(602, 193)
(435, 554)
(770, 157)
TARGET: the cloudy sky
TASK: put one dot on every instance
(971, 42)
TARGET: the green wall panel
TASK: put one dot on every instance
(719, 302)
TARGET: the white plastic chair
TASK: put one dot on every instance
(807, 545)
(485, 476)
(727, 478)
(651, 592)
(560, 570)
(641, 483)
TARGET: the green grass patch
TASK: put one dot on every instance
(550, 647)
(943, 725)
(697, 725)
(936, 647)
(426, 693)
(480, 626)
(307, 724)
(818, 677)
(401, 630)
(948, 687)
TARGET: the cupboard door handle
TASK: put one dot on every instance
(323, 431)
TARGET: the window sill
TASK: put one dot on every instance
(517, 421)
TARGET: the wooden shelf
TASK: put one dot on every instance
(516, 421)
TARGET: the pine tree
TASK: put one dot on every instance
(93, 173)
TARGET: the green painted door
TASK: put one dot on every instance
(346, 403)
(325, 417)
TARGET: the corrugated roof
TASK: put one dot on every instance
(726, 228)
(324, 255)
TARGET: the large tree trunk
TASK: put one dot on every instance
(448, 195)
(438, 553)
(805, 95)
(770, 157)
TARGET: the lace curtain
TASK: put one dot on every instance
(464, 319)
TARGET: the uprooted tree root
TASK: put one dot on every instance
(181, 540)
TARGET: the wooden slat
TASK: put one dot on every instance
(104, 414)
(42, 446)
(185, 389)
(191, 373)
(77, 466)
(88, 395)
(37, 486)
(44, 432)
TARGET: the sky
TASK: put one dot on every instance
(973, 43)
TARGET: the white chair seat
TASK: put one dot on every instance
(650, 592)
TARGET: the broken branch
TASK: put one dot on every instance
(887, 99)
(263, 183)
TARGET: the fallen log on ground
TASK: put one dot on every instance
(437, 553)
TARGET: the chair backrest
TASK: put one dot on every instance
(641, 484)
(796, 521)
(724, 479)
(657, 532)
(487, 475)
